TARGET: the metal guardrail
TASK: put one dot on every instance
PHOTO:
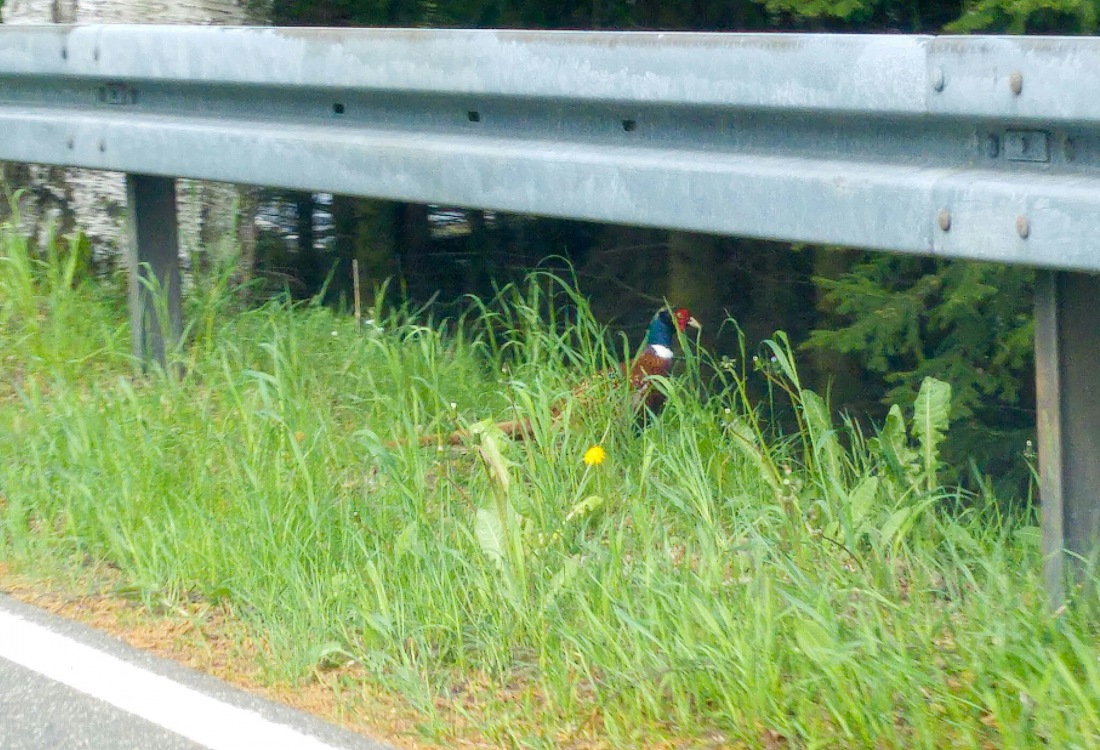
(983, 148)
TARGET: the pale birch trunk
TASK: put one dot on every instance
(95, 202)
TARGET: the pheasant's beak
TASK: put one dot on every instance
(693, 323)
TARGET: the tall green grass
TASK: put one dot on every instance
(715, 580)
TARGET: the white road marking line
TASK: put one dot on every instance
(178, 708)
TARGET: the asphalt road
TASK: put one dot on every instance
(63, 685)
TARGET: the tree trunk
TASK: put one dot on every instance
(246, 233)
(840, 372)
(310, 266)
(366, 230)
(482, 247)
(692, 278)
(413, 229)
(64, 199)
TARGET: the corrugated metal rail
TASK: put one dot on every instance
(965, 147)
(982, 148)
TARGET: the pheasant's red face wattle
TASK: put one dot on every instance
(685, 319)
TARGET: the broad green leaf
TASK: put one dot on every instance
(584, 507)
(894, 445)
(489, 447)
(930, 419)
(1031, 535)
(897, 525)
(327, 654)
(827, 451)
(962, 538)
(490, 536)
(861, 501)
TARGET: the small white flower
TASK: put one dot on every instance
(454, 406)
(334, 333)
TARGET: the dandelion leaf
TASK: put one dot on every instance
(897, 525)
(489, 448)
(930, 419)
(893, 443)
(490, 536)
(585, 507)
(861, 502)
(826, 447)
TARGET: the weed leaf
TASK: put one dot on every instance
(822, 435)
(490, 450)
(584, 507)
(490, 536)
(894, 446)
(930, 419)
(861, 501)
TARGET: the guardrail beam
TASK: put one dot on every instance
(984, 148)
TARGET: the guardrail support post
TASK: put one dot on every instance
(154, 266)
(1067, 378)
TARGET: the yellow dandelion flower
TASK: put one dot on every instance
(595, 455)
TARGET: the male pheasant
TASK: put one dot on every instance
(655, 360)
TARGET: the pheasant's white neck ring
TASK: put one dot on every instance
(661, 351)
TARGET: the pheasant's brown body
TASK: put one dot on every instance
(646, 399)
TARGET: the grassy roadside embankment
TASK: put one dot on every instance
(713, 582)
